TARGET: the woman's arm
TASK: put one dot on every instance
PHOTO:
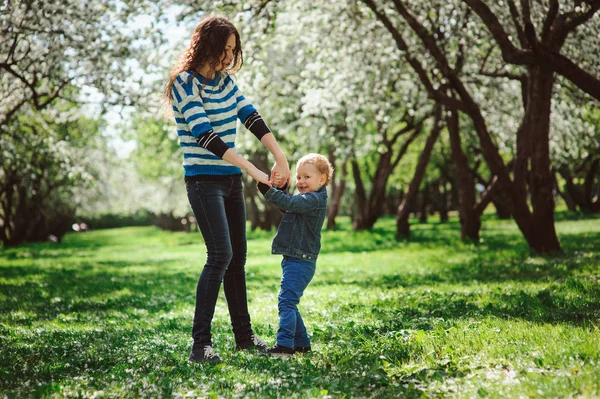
(250, 117)
(281, 169)
(236, 159)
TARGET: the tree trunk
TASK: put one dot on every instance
(361, 209)
(443, 201)
(470, 221)
(591, 199)
(537, 117)
(424, 204)
(502, 209)
(564, 195)
(371, 206)
(338, 187)
(402, 224)
(393, 201)
(581, 197)
(571, 188)
(253, 212)
(538, 94)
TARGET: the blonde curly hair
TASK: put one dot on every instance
(320, 162)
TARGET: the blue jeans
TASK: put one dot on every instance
(220, 210)
(296, 275)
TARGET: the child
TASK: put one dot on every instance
(298, 239)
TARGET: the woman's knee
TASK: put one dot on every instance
(220, 259)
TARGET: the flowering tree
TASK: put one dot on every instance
(546, 37)
(54, 56)
(41, 172)
(304, 63)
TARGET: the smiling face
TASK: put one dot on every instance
(228, 53)
(308, 178)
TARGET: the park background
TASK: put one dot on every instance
(462, 245)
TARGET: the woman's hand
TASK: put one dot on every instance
(280, 174)
(281, 170)
(260, 176)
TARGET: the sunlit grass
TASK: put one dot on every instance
(108, 314)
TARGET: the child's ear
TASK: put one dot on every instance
(323, 179)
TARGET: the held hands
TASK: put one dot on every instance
(277, 180)
(280, 174)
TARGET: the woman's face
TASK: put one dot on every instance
(228, 53)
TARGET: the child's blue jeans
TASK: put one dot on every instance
(296, 275)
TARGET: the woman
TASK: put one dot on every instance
(206, 104)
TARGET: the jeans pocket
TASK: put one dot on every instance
(209, 188)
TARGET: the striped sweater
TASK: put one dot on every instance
(206, 113)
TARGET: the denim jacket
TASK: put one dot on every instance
(299, 232)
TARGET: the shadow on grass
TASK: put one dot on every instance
(567, 290)
(575, 302)
(58, 355)
(500, 258)
(99, 290)
(95, 289)
(566, 295)
(496, 235)
(58, 359)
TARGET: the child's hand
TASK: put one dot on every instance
(277, 180)
(280, 173)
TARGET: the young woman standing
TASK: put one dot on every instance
(206, 104)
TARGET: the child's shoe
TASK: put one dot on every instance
(302, 349)
(204, 354)
(280, 351)
(253, 342)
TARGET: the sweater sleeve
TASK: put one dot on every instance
(248, 115)
(188, 102)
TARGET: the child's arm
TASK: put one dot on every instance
(263, 188)
(303, 203)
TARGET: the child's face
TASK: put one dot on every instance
(308, 178)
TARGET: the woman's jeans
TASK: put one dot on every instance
(220, 210)
(296, 275)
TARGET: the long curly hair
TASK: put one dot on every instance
(207, 46)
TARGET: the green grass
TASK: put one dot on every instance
(108, 314)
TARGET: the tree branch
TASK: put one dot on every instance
(514, 13)
(507, 75)
(510, 53)
(567, 68)
(416, 132)
(410, 125)
(579, 19)
(436, 95)
(550, 18)
(487, 196)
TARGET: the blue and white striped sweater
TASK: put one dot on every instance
(201, 105)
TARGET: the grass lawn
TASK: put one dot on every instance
(108, 314)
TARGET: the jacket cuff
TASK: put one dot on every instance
(263, 188)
